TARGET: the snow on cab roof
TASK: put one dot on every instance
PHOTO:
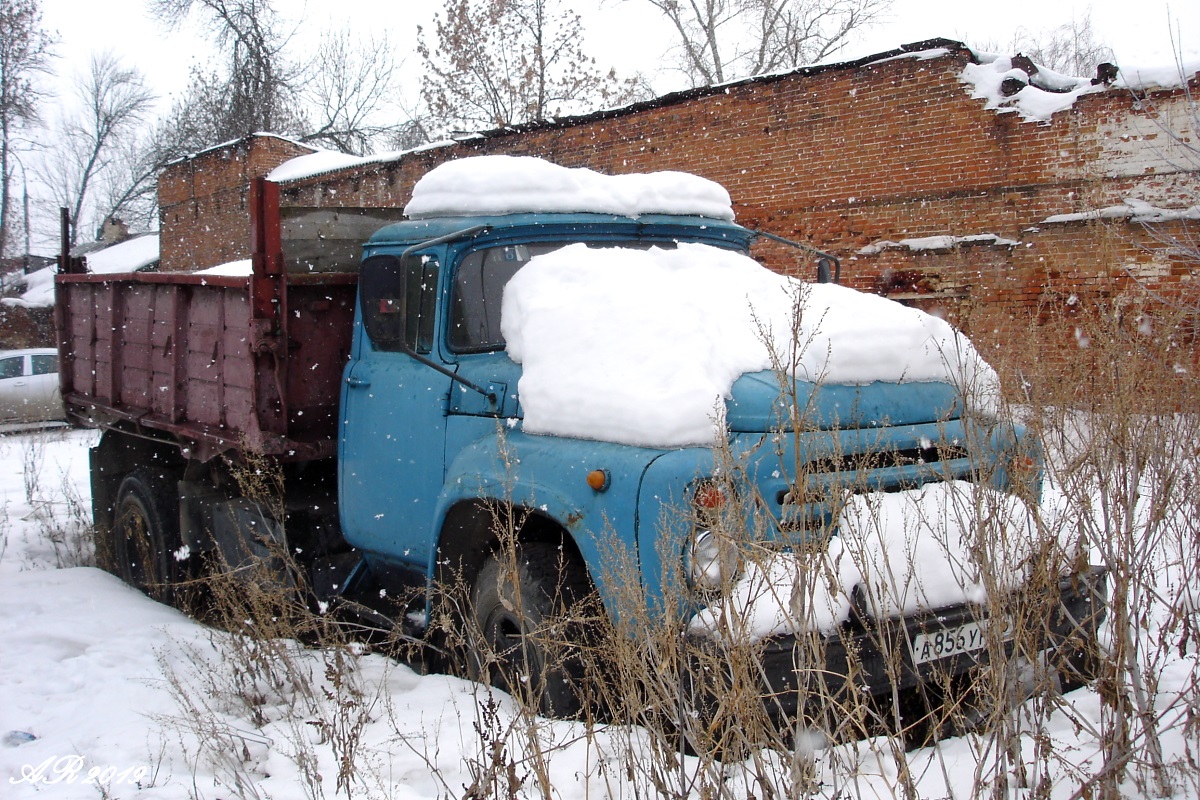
(498, 185)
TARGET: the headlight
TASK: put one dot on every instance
(708, 562)
(709, 559)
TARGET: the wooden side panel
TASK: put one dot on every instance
(204, 362)
(184, 356)
(105, 330)
(161, 343)
(131, 351)
(237, 366)
(79, 324)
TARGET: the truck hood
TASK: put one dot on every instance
(762, 401)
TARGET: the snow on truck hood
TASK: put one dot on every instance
(643, 347)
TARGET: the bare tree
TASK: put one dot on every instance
(415, 130)
(341, 96)
(24, 54)
(351, 88)
(506, 62)
(1072, 48)
(718, 40)
(255, 89)
(95, 171)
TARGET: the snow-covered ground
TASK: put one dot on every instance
(91, 672)
(107, 694)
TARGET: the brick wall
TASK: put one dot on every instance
(203, 201)
(840, 157)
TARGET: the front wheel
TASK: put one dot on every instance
(143, 547)
(528, 612)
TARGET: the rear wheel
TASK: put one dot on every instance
(527, 612)
(144, 547)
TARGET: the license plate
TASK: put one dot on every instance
(944, 642)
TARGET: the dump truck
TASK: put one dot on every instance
(425, 432)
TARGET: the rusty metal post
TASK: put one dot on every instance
(66, 263)
(268, 307)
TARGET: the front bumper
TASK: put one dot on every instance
(874, 659)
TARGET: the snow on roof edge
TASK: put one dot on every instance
(942, 242)
(238, 140)
(927, 49)
(1172, 76)
(135, 253)
(290, 172)
(1132, 209)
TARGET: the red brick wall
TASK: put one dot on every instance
(204, 216)
(839, 157)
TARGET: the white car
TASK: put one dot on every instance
(29, 386)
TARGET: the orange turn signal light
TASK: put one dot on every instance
(598, 479)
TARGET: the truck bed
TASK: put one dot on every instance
(199, 359)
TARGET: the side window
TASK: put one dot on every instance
(12, 367)
(45, 364)
(399, 298)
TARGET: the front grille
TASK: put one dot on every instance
(888, 470)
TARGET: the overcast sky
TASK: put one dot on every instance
(626, 34)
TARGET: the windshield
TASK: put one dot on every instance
(479, 288)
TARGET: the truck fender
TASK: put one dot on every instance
(468, 510)
(544, 477)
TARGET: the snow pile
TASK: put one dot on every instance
(129, 256)
(665, 333)
(39, 289)
(1133, 209)
(489, 185)
(87, 708)
(903, 551)
(240, 268)
(1031, 102)
(937, 243)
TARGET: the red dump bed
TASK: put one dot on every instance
(183, 354)
(217, 363)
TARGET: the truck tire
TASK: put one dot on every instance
(512, 601)
(144, 544)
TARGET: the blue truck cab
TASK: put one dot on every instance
(437, 476)
(431, 436)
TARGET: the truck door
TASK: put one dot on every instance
(393, 426)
